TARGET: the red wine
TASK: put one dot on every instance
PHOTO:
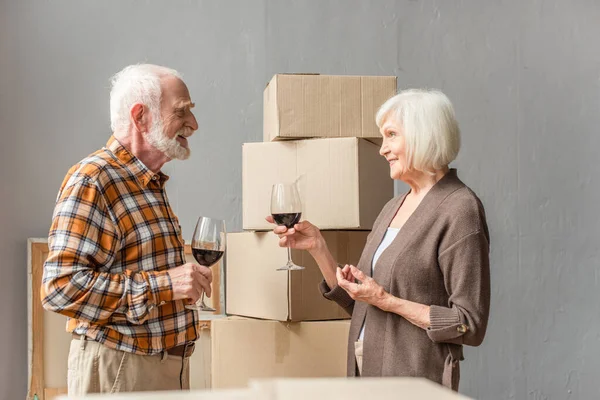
(207, 257)
(287, 219)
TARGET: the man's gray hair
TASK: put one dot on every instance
(139, 83)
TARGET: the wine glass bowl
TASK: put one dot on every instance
(208, 247)
(286, 210)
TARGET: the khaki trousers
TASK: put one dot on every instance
(95, 368)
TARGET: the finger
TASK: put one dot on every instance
(280, 229)
(195, 292)
(357, 273)
(283, 242)
(347, 286)
(205, 285)
(347, 274)
(270, 219)
(353, 289)
(196, 286)
(341, 279)
(302, 225)
(204, 272)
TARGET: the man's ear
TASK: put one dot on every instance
(140, 117)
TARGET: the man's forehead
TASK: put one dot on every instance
(176, 93)
(174, 87)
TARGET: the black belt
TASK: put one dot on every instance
(183, 350)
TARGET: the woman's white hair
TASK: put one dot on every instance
(139, 83)
(431, 132)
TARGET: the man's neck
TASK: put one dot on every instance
(134, 142)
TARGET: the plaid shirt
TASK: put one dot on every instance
(112, 240)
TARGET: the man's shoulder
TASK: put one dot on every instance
(99, 168)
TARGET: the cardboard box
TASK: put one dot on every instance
(352, 389)
(256, 289)
(244, 349)
(343, 183)
(303, 106)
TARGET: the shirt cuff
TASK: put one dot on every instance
(160, 288)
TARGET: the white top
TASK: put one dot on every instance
(388, 238)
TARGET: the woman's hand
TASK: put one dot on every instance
(303, 236)
(361, 287)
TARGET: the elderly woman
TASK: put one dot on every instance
(422, 286)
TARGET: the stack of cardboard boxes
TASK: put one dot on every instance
(319, 132)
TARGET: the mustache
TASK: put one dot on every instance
(185, 132)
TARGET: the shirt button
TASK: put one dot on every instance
(154, 177)
(162, 303)
(462, 328)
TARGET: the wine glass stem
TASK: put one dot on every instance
(202, 301)
(289, 255)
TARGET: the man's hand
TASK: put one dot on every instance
(189, 280)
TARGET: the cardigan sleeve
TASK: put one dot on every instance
(338, 295)
(466, 272)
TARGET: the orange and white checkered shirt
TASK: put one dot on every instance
(113, 238)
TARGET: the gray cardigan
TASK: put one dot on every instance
(439, 258)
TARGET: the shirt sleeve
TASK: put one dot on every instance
(83, 243)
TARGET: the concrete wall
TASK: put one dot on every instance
(524, 78)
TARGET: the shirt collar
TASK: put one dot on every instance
(142, 173)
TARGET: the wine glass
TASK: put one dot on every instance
(286, 209)
(208, 246)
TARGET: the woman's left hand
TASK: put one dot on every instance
(361, 287)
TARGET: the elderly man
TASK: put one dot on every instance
(116, 265)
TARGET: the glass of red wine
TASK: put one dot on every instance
(286, 210)
(208, 247)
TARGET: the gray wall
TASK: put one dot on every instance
(524, 78)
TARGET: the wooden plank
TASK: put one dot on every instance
(37, 253)
(51, 393)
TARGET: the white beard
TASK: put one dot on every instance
(169, 146)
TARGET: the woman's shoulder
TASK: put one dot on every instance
(464, 198)
(465, 208)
